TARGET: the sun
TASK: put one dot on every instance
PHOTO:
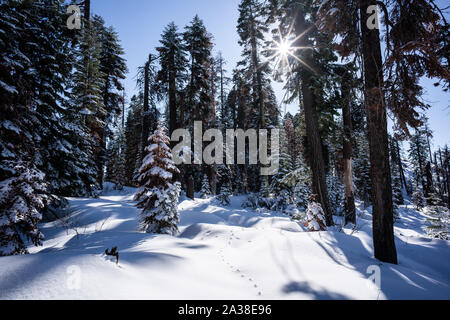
(284, 48)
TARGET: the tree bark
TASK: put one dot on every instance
(172, 96)
(382, 212)
(317, 163)
(350, 209)
(258, 92)
(87, 10)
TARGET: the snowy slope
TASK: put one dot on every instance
(221, 253)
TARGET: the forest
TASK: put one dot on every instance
(357, 159)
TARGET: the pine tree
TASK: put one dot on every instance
(205, 191)
(115, 169)
(158, 194)
(315, 216)
(226, 192)
(198, 100)
(397, 193)
(112, 67)
(172, 73)
(133, 138)
(309, 83)
(438, 219)
(336, 192)
(87, 109)
(411, 30)
(418, 199)
(418, 158)
(22, 185)
(251, 29)
(362, 168)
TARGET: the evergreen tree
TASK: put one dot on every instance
(205, 191)
(158, 194)
(172, 73)
(115, 169)
(112, 67)
(87, 108)
(133, 139)
(225, 193)
(198, 99)
(315, 216)
(418, 158)
(397, 193)
(438, 219)
(362, 168)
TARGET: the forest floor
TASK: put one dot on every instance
(221, 253)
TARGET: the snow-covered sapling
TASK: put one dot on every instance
(205, 191)
(158, 194)
(315, 216)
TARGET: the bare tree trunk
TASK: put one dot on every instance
(350, 209)
(382, 213)
(317, 163)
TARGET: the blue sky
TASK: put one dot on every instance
(140, 23)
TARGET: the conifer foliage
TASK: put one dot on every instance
(158, 193)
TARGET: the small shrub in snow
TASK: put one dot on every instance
(315, 216)
(158, 195)
(257, 201)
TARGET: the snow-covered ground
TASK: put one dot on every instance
(221, 253)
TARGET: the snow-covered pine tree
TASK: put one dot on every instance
(199, 101)
(115, 169)
(397, 192)
(226, 192)
(205, 191)
(336, 193)
(22, 186)
(418, 199)
(133, 139)
(315, 216)
(302, 180)
(87, 109)
(418, 158)
(172, 71)
(438, 219)
(362, 168)
(158, 193)
(112, 68)
(281, 189)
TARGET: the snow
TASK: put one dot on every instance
(220, 253)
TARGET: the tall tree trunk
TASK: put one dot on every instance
(317, 163)
(146, 110)
(87, 10)
(258, 92)
(383, 221)
(172, 96)
(350, 209)
(101, 156)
